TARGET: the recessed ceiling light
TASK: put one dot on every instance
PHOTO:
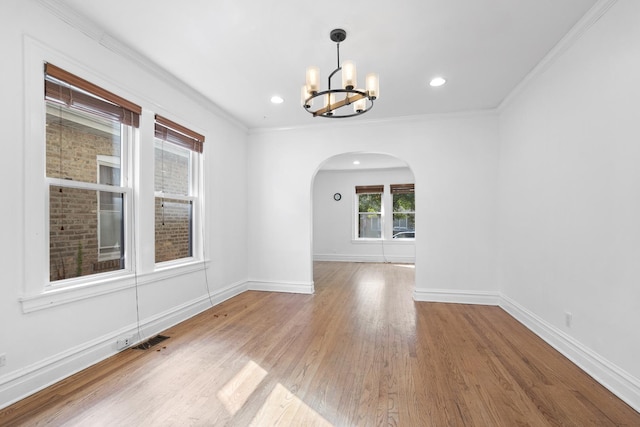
(277, 99)
(356, 162)
(437, 81)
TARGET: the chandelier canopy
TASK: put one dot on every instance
(334, 101)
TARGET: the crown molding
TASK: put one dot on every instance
(579, 29)
(418, 118)
(95, 32)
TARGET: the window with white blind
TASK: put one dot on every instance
(88, 134)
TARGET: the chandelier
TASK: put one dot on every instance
(334, 101)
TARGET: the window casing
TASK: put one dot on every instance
(404, 211)
(369, 211)
(177, 159)
(87, 221)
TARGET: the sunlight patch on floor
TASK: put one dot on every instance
(283, 408)
(235, 393)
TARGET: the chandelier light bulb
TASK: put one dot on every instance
(348, 75)
(313, 79)
(373, 85)
(304, 94)
(360, 105)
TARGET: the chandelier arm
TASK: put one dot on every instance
(331, 76)
(338, 104)
(357, 95)
(335, 116)
(338, 66)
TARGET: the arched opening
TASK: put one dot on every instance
(363, 209)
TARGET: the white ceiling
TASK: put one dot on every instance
(238, 53)
(365, 161)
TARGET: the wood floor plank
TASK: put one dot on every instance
(359, 352)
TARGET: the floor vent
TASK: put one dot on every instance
(151, 342)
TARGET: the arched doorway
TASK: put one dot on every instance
(386, 232)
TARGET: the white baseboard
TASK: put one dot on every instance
(457, 297)
(19, 384)
(619, 382)
(155, 324)
(291, 287)
(364, 258)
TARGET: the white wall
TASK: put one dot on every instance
(455, 162)
(334, 227)
(570, 200)
(47, 344)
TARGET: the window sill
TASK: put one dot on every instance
(383, 241)
(55, 296)
(169, 269)
(367, 241)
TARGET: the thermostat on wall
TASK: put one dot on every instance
(337, 197)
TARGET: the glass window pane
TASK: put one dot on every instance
(109, 175)
(110, 225)
(110, 230)
(369, 202)
(80, 242)
(369, 215)
(404, 219)
(172, 168)
(404, 202)
(173, 229)
(404, 226)
(369, 226)
(75, 140)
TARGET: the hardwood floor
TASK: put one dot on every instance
(359, 351)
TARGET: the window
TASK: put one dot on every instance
(371, 204)
(369, 215)
(404, 211)
(177, 152)
(88, 129)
